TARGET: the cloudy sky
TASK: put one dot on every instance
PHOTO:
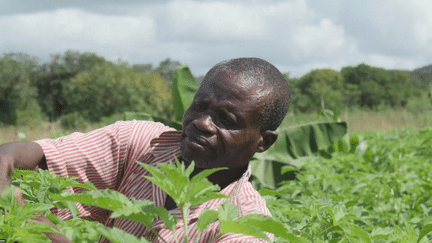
(295, 35)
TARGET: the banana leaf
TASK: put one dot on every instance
(294, 143)
(183, 91)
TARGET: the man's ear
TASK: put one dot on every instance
(267, 140)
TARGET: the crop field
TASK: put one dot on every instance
(378, 190)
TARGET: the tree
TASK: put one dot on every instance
(298, 100)
(145, 68)
(107, 89)
(400, 89)
(322, 87)
(55, 75)
(371, 86)
(16, 93)
(166, 68)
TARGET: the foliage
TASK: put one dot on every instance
(73, 121)
(107, 89)
(423, 78)
(377, 85)
(167, 68)
(30, 115)
(16, 93)
(294, 143)
(320, 87)
(43, 190)
(22, 76)
(361, 86)
(368, 187)
(183, 91)
(54, 76)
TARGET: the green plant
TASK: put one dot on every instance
(368, 187)
(43, 190)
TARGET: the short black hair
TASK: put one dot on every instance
(260, 72)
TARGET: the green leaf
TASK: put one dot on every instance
(269, 192)
(183, 90)
(227, 211)
(424, 231)
(206, 217)
(117, 235)
(364, 236)
(28, 211)
(175, 174)
(268, 224)
(174, 180)
(160, 179)
(204, 174)
(25, 235)
(7, 198)
(242, 228)
(142, 211)
(381, 233)
(37, 228)
(107, 199)
(294, 143)
(169, 219)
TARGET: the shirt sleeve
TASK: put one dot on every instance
(100, 156)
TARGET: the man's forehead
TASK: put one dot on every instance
(233, 94)
(230, 81)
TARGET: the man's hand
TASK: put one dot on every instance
(27, 156)
(19, 155)
(6, 171)
(40, 218)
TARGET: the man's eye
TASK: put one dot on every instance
(227, 121)
(200, 106)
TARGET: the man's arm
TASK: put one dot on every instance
(26, 156)
(19, 155)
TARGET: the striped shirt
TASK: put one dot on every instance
(106, 157)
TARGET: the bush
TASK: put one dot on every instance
(73, 121)
(419, 105)
(31, 115)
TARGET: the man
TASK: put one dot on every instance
(235, 112)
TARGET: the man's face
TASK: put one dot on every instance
(221, 127)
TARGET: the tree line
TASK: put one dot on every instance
(74, 85)
(87, 87)
(362, 86)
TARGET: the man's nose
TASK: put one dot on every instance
(205, 124)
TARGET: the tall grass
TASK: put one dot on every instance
(367, 120)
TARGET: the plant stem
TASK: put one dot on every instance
(216, 238)
(185, 219)
(158, 235)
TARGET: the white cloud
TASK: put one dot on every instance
(390, 27)
(214, 21)
(75, 29)
(285, 32)
(324, 38)
(295, 35)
